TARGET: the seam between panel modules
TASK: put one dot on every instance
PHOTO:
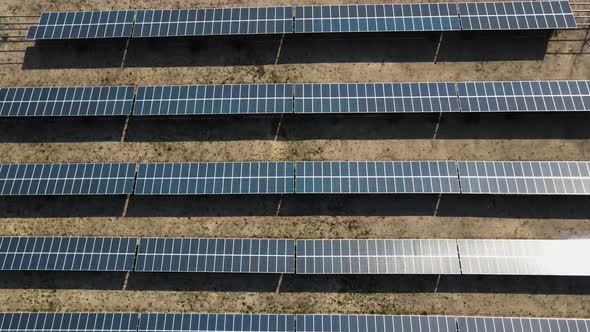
(134, 100)
(295, 265)
(459, 16)
(456, 319)
(137, 241)
(136, 174)
(460, 266)
(458, 176)
(293, 97)
(456, 86)
(138, 320)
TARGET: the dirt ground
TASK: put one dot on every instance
(374, 58)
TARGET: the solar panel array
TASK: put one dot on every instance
(83, 25)
(524, 96)
(375, 98)
(516, 15)
(374, 323)
(376, 177)
(175, 322)
(377, 18)
(215, 178)
(525, 257)
(67, 179)
(213, 21)
(67, 253)
(377, 257)
(66, 101)
(525, 177)
(216, 255)
(517, 324)
(214, 99)
(72, 322)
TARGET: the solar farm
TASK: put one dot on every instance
(284, 166)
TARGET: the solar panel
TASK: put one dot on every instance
(83, 25)
(371, 323)
(525, 257)
(213, 21)
(67, 179)
(525, 177)
(376, 177)
(524, 96)
(377, 257)
(67, 253)
(266, 177)
(517, 324)
(73, 322)
(516, 15)
(377, 18)
(214, 99)
(375, 98)
(66, 101)
(176, 322)
(216, 255)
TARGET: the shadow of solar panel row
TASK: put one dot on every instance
(67, 253)
(517, 324)
(375, 98)
(375, 323)
(83, 25)
(525, 257)
(214, 99)
(74, 322)
(377, 257)
(215, 178)
(67, 179)
(525, 177)
(213, 21)
(216, 255)
(66, 101)
(175, 322)
(377, 18)
(336, 177)
(524, 96)
(518, 15)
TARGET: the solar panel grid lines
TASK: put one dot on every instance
(525, 257)
(214, 99)
(521, 324)
(213, 21)
(67, 253)
(516, 15)
(335, 177)
(367, 323)
(174, 322)
(377, 18)
(423, 97)
(216, 255)
(67, 179)
(83, 25)
(377, 257)
(75, 322)
(212, 178)
(66, 101)
(525, 177)
(524, 96)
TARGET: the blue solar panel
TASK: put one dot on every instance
(68, 322)
(377, 257)
(83, 25)
(66, 101)
(213, 21)
(374, 18)
(178, 322)
(525, 177)
(374, 323)
(215, 178)
(376, 177)
(516, 15)
(67, 179)
(214, 99)
(67, 253)
(524, 96)
(375, 98)
(216, 255)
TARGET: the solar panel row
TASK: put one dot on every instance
(174, 322)
(307, 98)
(515, 15)
(494, 257)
